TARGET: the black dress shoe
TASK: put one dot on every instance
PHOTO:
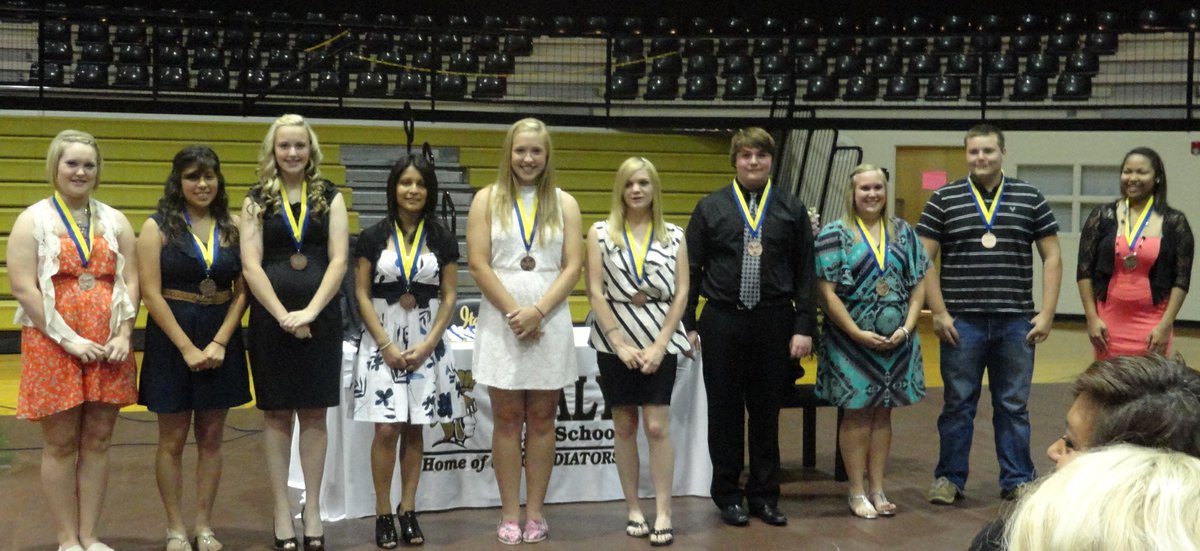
(385, 531)
(769, 514)
(734, 515)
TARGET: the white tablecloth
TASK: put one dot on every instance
(457, 469)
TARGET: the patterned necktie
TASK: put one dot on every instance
(749, 293)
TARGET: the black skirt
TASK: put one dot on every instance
(622, 386)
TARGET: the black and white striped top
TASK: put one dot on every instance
(977, 280)
(640, 325)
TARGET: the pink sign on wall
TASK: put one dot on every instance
(933, 179)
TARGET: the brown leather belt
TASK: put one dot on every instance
(220, 297)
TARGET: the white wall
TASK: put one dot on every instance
(1088, 148)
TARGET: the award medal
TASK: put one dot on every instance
(406, 260)
(1132, 235)
(83, 243)
(879, 251)
(528, 225)
(637, 260)
(208, 256)
(753, 220)
(299, 227)
(988, 239)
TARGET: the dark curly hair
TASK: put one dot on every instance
(172, 205)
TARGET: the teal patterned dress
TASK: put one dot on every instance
(849, 375)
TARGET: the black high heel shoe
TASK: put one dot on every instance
(385, 531)
(314, 543)
(290, 544)
(410, 531)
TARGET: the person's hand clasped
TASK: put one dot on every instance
(628, 356)
(302, 332)
(116, 349)
(525, 322)
(214, 355)
(943, 327)
(1041, 329)
(871, 340)
(293, 320)
(195, 358)
(394, 357)
(416, 356)
(651, 358)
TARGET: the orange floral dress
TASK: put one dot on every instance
(53, 380)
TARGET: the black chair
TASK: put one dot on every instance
(414, 42)
(168, 34)
(985, 43)
(740, 87)
(944, 88)
(700, 87)
(316, 59)
(623, 86)
(702, 65)
(768, 46)
(561, 25)
(330, 83)
(58, 51)
(808, 26)
(530, 23)
(202, 37)
(173, 78)
(518, 44)
(1062, 43)
(861, 88)
(1150, 20)
(841, 25)
(91, 75)
(885, 65)
(96, 52)
(498, 63)
(132, 76)
(491, 23)
(733, 46)
(1073, 87)
(924, 65)
(667, 66)
(1107, 21)
(1083, 63)
(811, 64)
(628, 45)
(660, 46)
(212, 79)
(372, 84)
(449, 44)
(281, 59)
(390, 62)
(489, 87)
(308, 39)
(254, 79)
(234, 38)
(1029, 88)
(1045, 65)
(450, 87)
(464, 62)
(1003, 64)
(411, 85)
(779, 87)
(208, 57)
(92, 32)
(1102, 43)
(422, 21)
(775, 64)
(738, 65)
(295, 83)
(910, 45)
(847, 65)
(993, 23)
(596, 24)
(630, 64)
(1190, 17)
(54, 29)
(879, 25)
(353, 61)
(902, 88)
(662, 87)
(273, 39)
(630, 26)
(962, 65)
(773, 26)
(821, 88)
(1069, 21)
(485, 44)
(1025, 44)
(244, 58)
(804, 45)
(378, 41)
(48, 73)
(698, 46)
(876, 45)
(918, 24)
(953, 23)
(666, 26)
(428, 61)
(172, 56)
(1030, 22)
(698, 26)
(735, 26)
(838, 45)
(991, 89)
(130, 34)
(948, 45)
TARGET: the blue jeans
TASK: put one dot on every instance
(998, 345)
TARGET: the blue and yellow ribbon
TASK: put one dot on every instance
(83, 243)
(1132, 235)
(299, 227)
(753, 220)
(878, 250)
(637, 257)
(988, 213)
(406, 259)
(526, 221)
(209, 252)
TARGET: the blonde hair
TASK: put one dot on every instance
(851, 212)
(268, 171)
(1117, 498)
(504, 189)
(616, 211)
(59, 145)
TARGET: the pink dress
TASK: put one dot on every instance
(1128, 311)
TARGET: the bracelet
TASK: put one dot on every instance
(907, 334)
(387, 344)
(223, 345)
(539, 311)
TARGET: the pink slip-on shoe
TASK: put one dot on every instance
(508, 532)
(535, 531)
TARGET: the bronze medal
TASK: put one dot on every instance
(1130, 262)
(754, 247)
(208, 287)
(298, 261)
(639, 299)
(408, 301)
(882, 288)
(528, 263)
(87, 281)
(988, 240)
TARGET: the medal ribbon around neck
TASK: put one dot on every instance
(526, 221)
(753, 220)
(1132, 236)
(83, 243)
(299, 228)
(637, 257)
(209, 252)
(987, 213)
(878, 250)
(406, 260)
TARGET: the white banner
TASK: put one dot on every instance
(457, 468)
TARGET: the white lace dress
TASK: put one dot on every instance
(502, 361)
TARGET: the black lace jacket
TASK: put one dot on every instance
(1097, 252)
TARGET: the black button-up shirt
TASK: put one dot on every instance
(715, 248)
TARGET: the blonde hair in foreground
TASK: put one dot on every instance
(549, 213)
(1116, 498)
(268, 172)
(616, 211)
(59, 145)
